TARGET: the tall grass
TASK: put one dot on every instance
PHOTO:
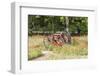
(77, 49)
(35, 47)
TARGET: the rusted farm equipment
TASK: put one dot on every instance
(57, 39)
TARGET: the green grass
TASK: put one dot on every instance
(34, 53)
(76, 50)
(68, 51)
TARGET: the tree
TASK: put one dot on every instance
(52, 24)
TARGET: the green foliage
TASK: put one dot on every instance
(53, 24)
(78, 23)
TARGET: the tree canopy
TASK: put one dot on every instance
(53, 24)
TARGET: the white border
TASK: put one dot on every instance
(19, 37)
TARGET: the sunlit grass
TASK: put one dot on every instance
(77, 49)
(33, 53)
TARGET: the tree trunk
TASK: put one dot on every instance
(67, 30)
(67, 24)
